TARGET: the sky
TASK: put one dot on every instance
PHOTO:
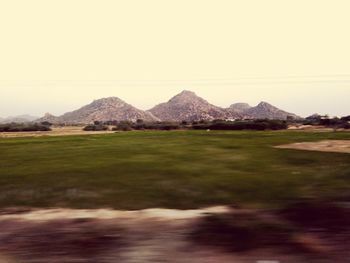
(57, 55)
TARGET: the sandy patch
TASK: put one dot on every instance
(155, 213)
(341, 146)
(63, 131)
(310, 128)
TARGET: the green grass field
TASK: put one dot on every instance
(181, 169)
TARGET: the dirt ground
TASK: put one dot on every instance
(312, 128)
(153, 235)
(342, 146)
(56, 131)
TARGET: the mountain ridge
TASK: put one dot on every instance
(185, 106)
(265, 110)
(24, 118)
(104, 109)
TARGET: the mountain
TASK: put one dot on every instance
(49, 118)
(20, 119)
(265, 110)
(240, 107)
(187, 106)
(236, 110)
(106, 109)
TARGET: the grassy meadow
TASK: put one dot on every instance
(177, 169)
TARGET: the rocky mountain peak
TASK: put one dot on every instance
(187, 106)
(265, 110)
(47, 115)
(106, 109)
(240, 106)
(108, 102)
(264, 104)
(185, 96)
(187, 93)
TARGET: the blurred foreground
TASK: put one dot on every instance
(303, 232)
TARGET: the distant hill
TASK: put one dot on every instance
(49, 118)
(236, 110)
(265, 110)
(106, 109)
(187, 106)
(20, 119)
(240, 107)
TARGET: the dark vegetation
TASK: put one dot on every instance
(97, 126)
(240, 232)
(259, 125)
(314, 215)
(24, 127)
(74, 240)
(123, 126)
(300, 227)
(237, 125)
(159, 126)
(141, 125)
(336, 123)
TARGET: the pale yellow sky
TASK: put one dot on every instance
(56, 55)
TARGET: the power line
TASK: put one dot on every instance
(271, 80)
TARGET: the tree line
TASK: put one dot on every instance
(260, 125)
(24, 127)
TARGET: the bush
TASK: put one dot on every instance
(94, 127)
(345, 125)
(258, 125)
(203, 125)
(165, 126)
(123, 126)
(141, 125)
(19, 127)
(328, 122)
(240, 232)
(346, 118)
(46, 123)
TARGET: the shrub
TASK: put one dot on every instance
(346, 118)
(123, 126)
(141, 125)
(94, 127)
(19, 127)
(259, 125)
(240, 232)
(46, 123)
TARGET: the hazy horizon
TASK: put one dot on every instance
(61, 100)
(59, 55)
